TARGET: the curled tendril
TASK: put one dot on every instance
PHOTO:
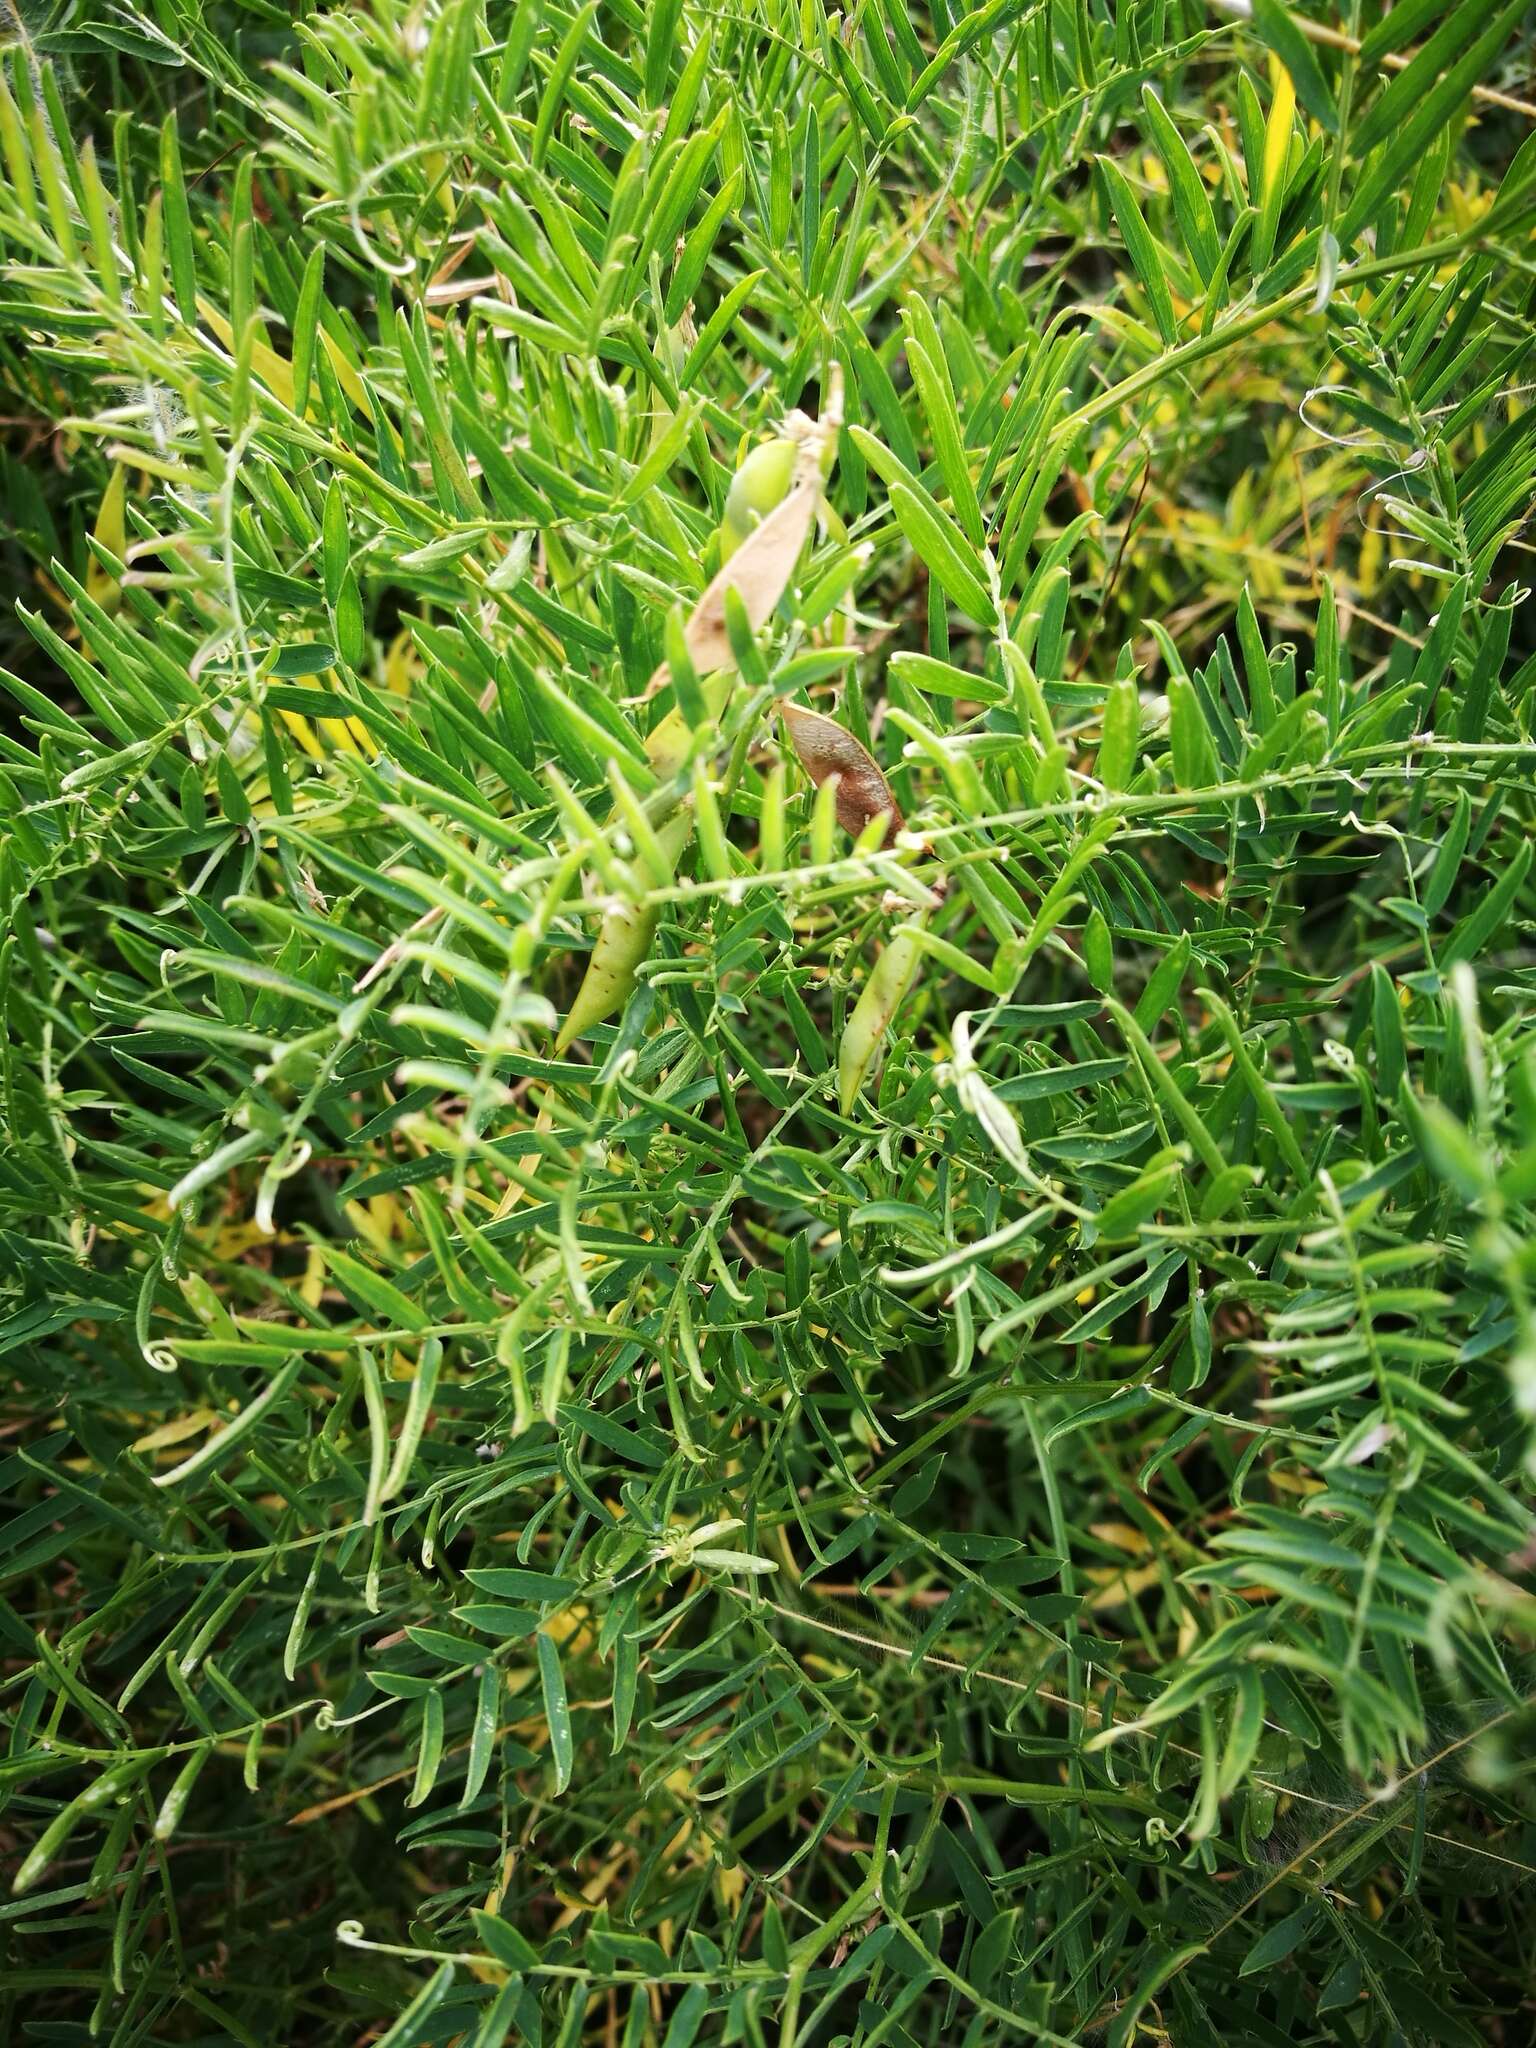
(350, 1933)
(1339, 1055)
(435, 147)
(283, 1167)
(1362, 438)
(327, 1718)
(295, 1162)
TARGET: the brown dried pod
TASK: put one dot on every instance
(824, 749)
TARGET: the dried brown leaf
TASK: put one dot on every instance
(760, 569)
(758, 572)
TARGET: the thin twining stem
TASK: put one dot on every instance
(1091, 1707)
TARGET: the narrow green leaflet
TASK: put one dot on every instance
(1142, 249)
(768, 1203)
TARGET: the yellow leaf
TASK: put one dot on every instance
(312, 1286)
(178, 1431)
(1124, 1585)
(1277, 132)
(111, 529)
(365, 1220)
(570, 1622)
(269, 366)
(351, 735)
(277, 374)
(402, 664)
(304, 733)
(1294, 1482)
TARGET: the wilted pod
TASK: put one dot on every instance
(825, 749)
(879, 1000)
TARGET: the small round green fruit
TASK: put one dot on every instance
(759, 485)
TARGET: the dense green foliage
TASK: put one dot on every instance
(996, 1511)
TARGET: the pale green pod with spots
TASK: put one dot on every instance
(879, 1000)
(168, 1819)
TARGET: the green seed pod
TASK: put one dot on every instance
(785, 476)
(756, 488)
(50, 1843)
(174, 1804)
(878, 1003)
(667, 745)
(1098, 952)
(764, 478)
(623, 942)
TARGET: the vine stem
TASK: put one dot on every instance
(1390, 60)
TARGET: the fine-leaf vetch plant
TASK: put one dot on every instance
(768, 1224)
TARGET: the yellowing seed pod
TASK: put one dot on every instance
(667, 745)
(623, 944)
(879, 1000)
